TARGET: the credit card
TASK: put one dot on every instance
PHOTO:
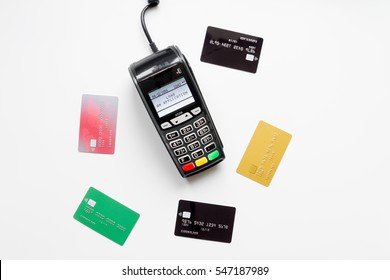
(205, 221)
(98, 124)
(106, 216)
(264, 153)
(231, 49)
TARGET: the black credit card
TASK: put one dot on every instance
(205, 221)
(231, 49)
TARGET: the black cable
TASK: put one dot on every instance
(152, 3)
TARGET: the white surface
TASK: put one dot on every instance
(323, 76)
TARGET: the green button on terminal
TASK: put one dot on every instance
(213, 155)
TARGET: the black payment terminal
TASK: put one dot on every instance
(171, 95)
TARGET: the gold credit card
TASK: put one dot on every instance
(264, 153)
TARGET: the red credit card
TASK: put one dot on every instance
(98, 124)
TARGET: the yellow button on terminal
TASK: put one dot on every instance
(201, 161)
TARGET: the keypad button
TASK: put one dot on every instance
(176, 143)
(196, 111)
(203, 131)
(213, 155)
(201, 161)
(193, 146)
(172, 135)
(187, 129)
(200, 122)
(188, 167)
(190, 138)
(207, 139)
(166, 125)
(182, 118)
(184, 159)
(210, 147)
(181, 151)
(197, 154)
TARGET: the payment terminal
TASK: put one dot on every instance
(171, 95)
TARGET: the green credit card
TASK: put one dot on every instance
(106, 216)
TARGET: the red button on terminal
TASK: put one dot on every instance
(188, 167)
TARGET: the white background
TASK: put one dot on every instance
(323, 77)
